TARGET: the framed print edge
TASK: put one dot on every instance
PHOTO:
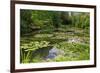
(12, 38)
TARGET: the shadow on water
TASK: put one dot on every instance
(40, 53)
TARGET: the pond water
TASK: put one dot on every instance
(46, 53)
(54, 52)
(65, 40)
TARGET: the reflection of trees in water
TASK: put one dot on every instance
(46, 53)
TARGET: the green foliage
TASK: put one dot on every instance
(81, 20)
(73, 51)
(42, 19)
(38, 34)
(52, 20)
(27, 49)
(56, 19)
(25, 21)
(34, 45)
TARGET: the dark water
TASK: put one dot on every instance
(41, 52)
(46, 53)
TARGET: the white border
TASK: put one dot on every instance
(51, 64)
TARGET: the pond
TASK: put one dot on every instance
(46, 53)
(56, 47)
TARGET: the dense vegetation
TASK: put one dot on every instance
(41, 31)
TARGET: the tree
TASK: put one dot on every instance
(56, 18)
(25, 21)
